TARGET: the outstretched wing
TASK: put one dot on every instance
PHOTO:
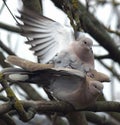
(47, 37)
(37, 68)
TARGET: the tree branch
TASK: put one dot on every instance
(35, 5)
(6, 49)
(15, 103)
(31, 92)
(102, 57)
(10, 28)
(100, 120)
(112, 70)
(113, 31)
(2, 62)
(62, 107)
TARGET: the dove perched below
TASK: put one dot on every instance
(69, 85)
(48, 38)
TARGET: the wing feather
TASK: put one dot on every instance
(48, 36)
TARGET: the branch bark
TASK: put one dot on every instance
(35, 5)
(62, 108)
(6, 49)
(100, 120)
(10, 28)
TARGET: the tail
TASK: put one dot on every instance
(16, 74)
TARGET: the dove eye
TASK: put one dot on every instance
(85, 42)
(95, 86)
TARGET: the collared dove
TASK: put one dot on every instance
(69, 85)
(48, 38)
(78, 56)
(63, 81)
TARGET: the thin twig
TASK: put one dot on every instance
(6, 49)
(10, 28)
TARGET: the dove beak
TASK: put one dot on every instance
(88, 47)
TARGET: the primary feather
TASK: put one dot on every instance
(48, 36)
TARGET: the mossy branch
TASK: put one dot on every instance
(14, 102)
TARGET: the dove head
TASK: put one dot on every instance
(83, 48)
(95, 88)
(86, 43)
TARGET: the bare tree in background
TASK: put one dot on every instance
(82, 18)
